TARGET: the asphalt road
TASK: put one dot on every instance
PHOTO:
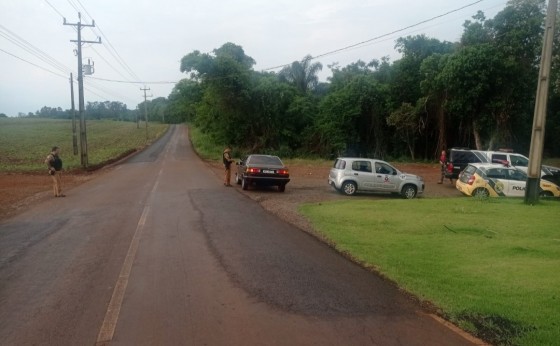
(157, 251)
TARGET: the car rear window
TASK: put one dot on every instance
(470, 169)
(361, 166)
(466, 156)
(265, 160)
(339, 164)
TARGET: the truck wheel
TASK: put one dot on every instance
(349, 188)
(481, 193)
(409, 191)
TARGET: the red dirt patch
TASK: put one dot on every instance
(309, 184)
(19, 190)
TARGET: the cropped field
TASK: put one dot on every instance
(25, 143)
(490, 265)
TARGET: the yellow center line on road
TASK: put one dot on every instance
(113, 310)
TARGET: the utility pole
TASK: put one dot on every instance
(539, 117)
(83, 132)
(74, 134)
(146, 108)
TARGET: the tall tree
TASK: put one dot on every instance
(302, 74)
(435, 97)
(225, 76)
(406, 121)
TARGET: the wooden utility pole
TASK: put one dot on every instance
(74, 134)
(80, 42)
(146, 108)
(539, 117)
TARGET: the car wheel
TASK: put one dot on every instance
(244, 184)
(409, 191)
(480, 193)
(237, 180)
(282, 187)
(349, 188)
(546, 194)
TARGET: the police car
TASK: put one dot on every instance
(487, 179)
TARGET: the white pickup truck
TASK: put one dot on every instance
(522, 162)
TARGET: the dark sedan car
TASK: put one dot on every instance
(265, 170)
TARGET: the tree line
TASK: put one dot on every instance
(113, 110)
(478, 92)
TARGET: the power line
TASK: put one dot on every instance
(380, 36)
(29, 62)
(54, 8)
(132, 82)
(73, 5)
(112, 93)
(108, 63)
(113, 51)
(25, 45)
(118, 58)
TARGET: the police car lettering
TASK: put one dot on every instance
(519, 188)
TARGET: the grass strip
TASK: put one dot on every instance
(490, 265)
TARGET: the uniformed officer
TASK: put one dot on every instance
(226, 156)
(54, 163)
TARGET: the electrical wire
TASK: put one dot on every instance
(73, 5)
(25, 45)
(108, 63)
(54, 8)
(29, 62)
(380, 36)
(113, 51)
(133, 82)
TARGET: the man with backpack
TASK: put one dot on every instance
(54, 163)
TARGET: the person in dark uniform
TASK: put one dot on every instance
(226, 156)
(54, 163)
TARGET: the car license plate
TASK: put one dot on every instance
(267, 171)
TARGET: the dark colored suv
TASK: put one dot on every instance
(459, 158)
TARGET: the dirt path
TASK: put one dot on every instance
(309, 184)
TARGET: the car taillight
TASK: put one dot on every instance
(471, 180)
(253, 170)
(283, 172)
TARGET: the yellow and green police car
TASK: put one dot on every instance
(495, 180)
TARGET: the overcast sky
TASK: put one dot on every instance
(151, 37)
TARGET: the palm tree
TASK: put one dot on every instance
(302, 74)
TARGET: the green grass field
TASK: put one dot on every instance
(491, 265)
(25, 143)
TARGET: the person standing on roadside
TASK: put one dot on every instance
(226, 156)
(443, 164)
(54, 163)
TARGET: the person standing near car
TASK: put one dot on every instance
(443, 164)
(226, 157)
(54, 163)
